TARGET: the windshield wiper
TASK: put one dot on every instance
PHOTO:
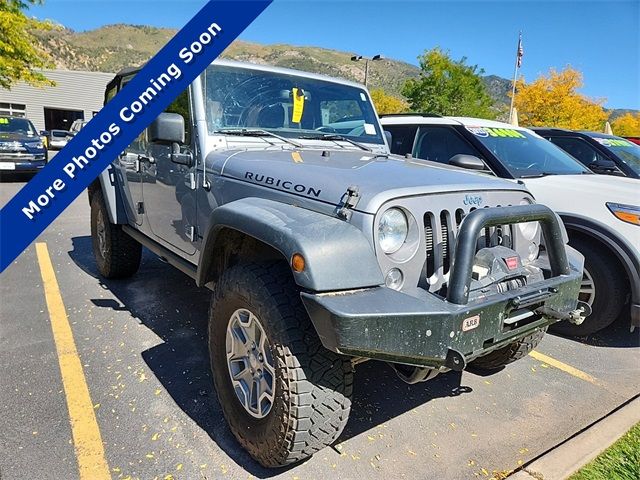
(537, 175)
(334, 137)
(244, 132)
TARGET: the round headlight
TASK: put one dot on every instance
(392, 230)
(528, 230)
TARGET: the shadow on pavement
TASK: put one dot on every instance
(168, 302)
(15, 177)
(616, 335)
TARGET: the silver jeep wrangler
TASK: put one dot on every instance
(276, 189)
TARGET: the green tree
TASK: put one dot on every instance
(20, 56)
(386, 103)
(448, 87)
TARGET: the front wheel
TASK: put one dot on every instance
(603, 288)
(282, 393)
(512, 352)
(117, 254)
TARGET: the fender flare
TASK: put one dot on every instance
(108, 185)
(618, 245)
(337, 254)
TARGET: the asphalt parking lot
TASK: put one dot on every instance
(143, 354)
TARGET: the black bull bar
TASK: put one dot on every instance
(476, 221)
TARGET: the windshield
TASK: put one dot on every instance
(625, 150)
(525, 154)
(288, 105)
(16, 125)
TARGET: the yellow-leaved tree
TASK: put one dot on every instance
(628, 125)
(386, 103)
(20, 56)
(553, 100)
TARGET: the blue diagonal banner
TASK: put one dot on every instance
(71, 171)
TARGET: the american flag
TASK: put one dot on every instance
(520, 51)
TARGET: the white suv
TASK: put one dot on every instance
(601, 213)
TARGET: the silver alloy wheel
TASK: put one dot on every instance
(587, 288)
(102, 234)
(250, 363)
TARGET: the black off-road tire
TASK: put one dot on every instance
(610, 290)
(117, 254)
(512, 352)
(313, 386)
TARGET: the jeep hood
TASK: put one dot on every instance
(325, 175)
(583, 194)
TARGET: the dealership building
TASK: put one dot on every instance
(76, 95)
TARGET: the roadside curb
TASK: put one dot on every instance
(568, 457)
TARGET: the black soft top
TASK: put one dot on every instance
(126, 71)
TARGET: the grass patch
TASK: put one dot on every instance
(621, 461)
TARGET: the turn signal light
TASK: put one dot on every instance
(297, 262)
(626, 213)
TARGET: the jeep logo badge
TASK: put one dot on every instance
(475, 200)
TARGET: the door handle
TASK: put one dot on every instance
(150, 160)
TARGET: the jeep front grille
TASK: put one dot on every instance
(435, 222)
(440, 232)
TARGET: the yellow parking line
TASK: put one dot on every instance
(564, 367)
(84, 427)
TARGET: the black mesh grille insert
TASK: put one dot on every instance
(440, 249)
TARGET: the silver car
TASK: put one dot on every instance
(276, 189)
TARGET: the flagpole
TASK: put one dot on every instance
(515, 77)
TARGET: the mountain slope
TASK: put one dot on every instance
(113, 47)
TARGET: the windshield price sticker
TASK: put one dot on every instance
(613, 142)
(4, 121)
(298, 105)
(495, 132)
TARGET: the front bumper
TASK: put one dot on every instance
(423, 329)
(23, 162)
(384, 324)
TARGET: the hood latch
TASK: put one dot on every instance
(349, 201)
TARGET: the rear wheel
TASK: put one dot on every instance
(512, 352)
(283, 394)
(117, 254)
(603, 288)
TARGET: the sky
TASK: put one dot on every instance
(601, 38)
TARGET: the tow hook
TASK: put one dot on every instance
(455, 360)
(579, 314)
(576, 316)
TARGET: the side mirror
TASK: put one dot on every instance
(470, 162)
(604, 166)
(389, 137)
(44, 133)
(168, 128)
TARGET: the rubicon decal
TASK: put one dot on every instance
(283, 184)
